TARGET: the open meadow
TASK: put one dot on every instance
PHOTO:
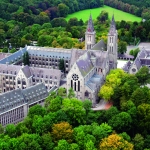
(119, 15)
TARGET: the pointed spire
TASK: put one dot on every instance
(112, 29)
(90, 26)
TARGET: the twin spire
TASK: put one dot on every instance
(90, 26)
(112, 29)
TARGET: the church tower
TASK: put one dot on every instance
(112, 46)
(90, 34)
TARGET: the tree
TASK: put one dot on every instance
(143, 75)
(106, 92)
(143, 113)
(62, 145)
(62, 65)
(62, 92)
(74, 110)
(62, 130)
(26, 59)
(141, 95)
(10, 130)
(47, 143)
(36, 110)
(103, 16)
(90, 145)
(55, 104)
(74, 146)
(121, 122)
(125, 136)
(71, 93)
(63, 10)
(122, 47)
(115, 141)
(1, 129)
(87, 104)
(134, 52)
(138, 142)
(29, 141)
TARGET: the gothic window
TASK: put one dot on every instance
(89, 38)
(71, 84)
(19, 82)
(75, 77)
(134, 70)
(110, 39)
(78, 85)
(86, 94)
(112, 49)
(75, 86)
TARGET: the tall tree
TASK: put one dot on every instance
(143, 75)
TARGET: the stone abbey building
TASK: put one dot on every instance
(86, 69)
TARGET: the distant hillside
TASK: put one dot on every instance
(119, 15)
(26, 9)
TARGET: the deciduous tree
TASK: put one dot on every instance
(62, 130)
(114, 141)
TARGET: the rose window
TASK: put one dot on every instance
(75, 77)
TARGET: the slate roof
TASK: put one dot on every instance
(45, 73)
(137, 63)
(125, 56)
(90, 26)
(126, 67)
(14, 56)
(101, 59)
(11, 99)
(9, 69)
(18, 97)
(100, 46)
(35, 93)
(49, 52)
(26, 71)
(75, 54)
(84, 64)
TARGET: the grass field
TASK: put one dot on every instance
(119, 15)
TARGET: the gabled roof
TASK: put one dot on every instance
(84, 64)
(18, 97)
(26, 71)
(75, 54)
(14, 56)
(35, 93)
(126, 67)
(99, 46)
(90, 26)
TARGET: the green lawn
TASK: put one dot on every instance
(119, 15)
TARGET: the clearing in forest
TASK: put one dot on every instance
(119, 15)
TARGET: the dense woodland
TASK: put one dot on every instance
(23, 22)
(139, 8)
(66, 123)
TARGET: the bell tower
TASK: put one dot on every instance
(112, 45)
(90, 34)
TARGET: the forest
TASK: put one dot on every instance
(66, 123)
(24, 22)
(60, 33)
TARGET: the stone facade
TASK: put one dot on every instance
(86, 69)
(14, 105)
(142, 59)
